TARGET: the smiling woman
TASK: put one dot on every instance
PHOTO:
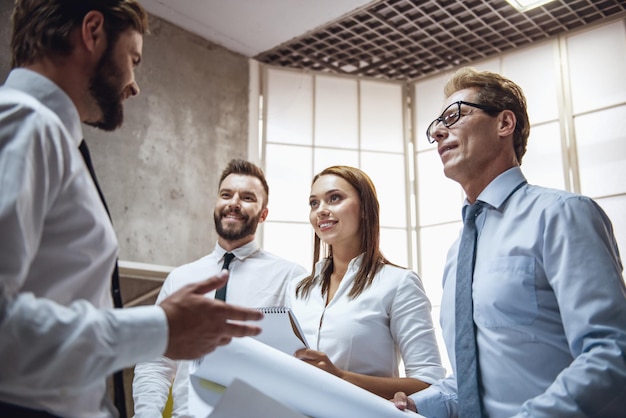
(361, 314)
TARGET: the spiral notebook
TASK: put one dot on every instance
(281, 330)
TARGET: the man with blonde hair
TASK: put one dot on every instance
(534, 303)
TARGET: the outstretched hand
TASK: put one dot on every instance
(402, 402)
(319, 360)
(198, 325)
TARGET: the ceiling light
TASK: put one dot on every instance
(525, 5)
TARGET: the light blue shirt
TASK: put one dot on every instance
(549, 307)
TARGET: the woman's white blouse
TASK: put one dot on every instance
(388, 322)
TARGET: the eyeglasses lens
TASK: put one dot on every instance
(449, 117)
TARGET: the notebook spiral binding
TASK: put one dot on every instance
(274, 309)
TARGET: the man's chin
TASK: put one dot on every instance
(109, 120)
(107, 126)
(231, 229)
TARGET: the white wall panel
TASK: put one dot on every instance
(336, 112)
(381, 116)
(289, 101)
(597, 67)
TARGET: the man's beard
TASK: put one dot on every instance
(236, 233)
(107, 94)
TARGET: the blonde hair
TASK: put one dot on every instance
(499, 92)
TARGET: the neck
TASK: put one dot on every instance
(68, 77)
(474, 186)
(230, 245)
(342, 257)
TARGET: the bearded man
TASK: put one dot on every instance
(257, 278)
(74, 61)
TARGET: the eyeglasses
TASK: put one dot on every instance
(452, 114)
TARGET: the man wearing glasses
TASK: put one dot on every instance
(544, 277)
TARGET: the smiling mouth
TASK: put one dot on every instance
(326, 224)
(232, 216)
(445, 148)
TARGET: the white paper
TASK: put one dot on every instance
(281, 330)
(292, 382)
(243, 401)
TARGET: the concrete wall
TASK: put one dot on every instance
(159, 172)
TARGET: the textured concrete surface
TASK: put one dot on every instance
(159, 171)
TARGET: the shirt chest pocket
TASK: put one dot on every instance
(504, 292)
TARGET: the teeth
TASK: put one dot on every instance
(325, 224)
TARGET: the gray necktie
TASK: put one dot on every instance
(221, 292)
(467, 374)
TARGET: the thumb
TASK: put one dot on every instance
(213, 283)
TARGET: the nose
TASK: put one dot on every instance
(322, 210)
(438, 133)
(234, 202)
(134, 88)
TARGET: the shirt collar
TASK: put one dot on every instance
(354, 264)
(501, 188)
(242, 252)
(50, 95)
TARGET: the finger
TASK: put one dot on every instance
(399, 399)
(307, 354)
(239, 313)
(224, 340)
(240, 330)
(215, 282)
(300, 353)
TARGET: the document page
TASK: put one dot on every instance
(256, 404)
(281, 330)
(290, 381)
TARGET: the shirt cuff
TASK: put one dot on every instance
(143, 333)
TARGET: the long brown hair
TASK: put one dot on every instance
(373, 258)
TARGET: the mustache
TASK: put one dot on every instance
(236, 211)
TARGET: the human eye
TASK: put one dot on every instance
(450, 117)
(249, 198)
(225, 195)
(335, 197)
(313, 203)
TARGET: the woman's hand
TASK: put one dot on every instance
(319, 360)
(385, 387)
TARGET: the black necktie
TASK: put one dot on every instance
(467, 371)
(221, 292)
(118, 377)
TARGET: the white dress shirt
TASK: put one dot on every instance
(549, 307)
(257, 279)
(389, 321)
(60, 337)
